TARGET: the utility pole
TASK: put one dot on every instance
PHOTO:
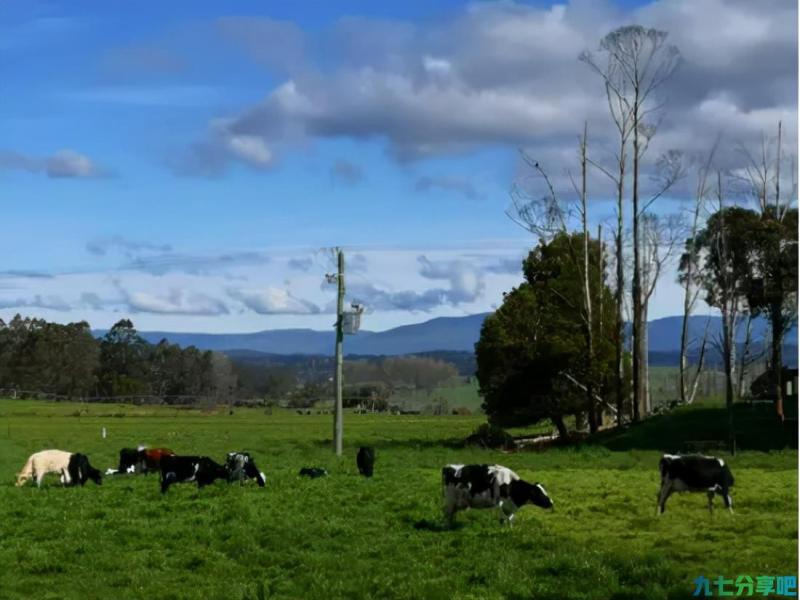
(338, 425)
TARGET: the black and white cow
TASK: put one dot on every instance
(80, 471)
(694, 473)
(365, 459)
(313, 472)
(181, 469)
(131, 460)
(241, 466)
(487, 486)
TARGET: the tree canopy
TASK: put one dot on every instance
(532, 350)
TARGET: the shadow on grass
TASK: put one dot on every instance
(756, 428)
(436, 526)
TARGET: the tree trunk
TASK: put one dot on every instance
(636, 296)
(745, 355)
(647, 406)
(587, 295)
(558, 421)
(619, 340)
(727, 354)
(776, 320)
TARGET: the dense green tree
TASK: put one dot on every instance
(532, 351)
(773, 283)
(124, 361)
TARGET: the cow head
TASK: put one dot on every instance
(95, 475)
(523, 492)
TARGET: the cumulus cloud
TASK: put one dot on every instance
(466, 280)
(507, 74)
(64, 164)
(50, 302)
(273, 301)
(465, 285)
(176, 302)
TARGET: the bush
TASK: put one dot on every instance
(462, 411)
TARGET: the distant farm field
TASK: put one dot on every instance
(347, 537)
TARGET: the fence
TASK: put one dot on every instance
(137, 399)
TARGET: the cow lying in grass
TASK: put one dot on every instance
(487, 486)
(73, 468)
(183, 469)
(694, 473)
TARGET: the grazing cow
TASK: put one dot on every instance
(694, 473)
(80, 471)
(140, 460)
(365, 460)
(181, 469)
(41, 463)
(153, 457)
(241, 466)
(131, 460)
(313, 472)
(485, 486)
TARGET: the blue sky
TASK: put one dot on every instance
(183, 164)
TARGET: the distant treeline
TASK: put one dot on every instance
(68, 361)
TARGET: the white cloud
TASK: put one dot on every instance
(66, 163)
(177, 302)
(273, 301)
(508, 74)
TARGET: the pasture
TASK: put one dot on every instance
(348, 537)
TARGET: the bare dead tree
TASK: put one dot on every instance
(546, 215)
(641, 58)
(661, 239)
(618, 91)
(691, 291)
(729, 301)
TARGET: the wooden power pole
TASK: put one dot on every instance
(338, 424)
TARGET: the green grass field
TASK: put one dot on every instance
(348, 537)
(456, 395)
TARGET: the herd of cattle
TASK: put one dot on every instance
(463, 486)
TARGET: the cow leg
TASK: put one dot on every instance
(39, 477)
(664, 494)
(710, 494)
(726, 497)
(506, 516)
(166, 480)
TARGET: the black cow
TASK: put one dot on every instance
(131, 460)
(365, 460)
(241, 466)
(486, 486)
(80, 471)
(694, 473)
(313, 472)
(181, 469)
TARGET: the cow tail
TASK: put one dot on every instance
(26, 472)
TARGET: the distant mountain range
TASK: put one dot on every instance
(457, 334)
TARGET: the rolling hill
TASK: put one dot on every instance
(454, 334)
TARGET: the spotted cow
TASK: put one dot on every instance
(487, 486)
(694, 473)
